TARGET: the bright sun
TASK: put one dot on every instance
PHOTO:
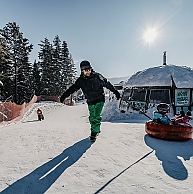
(150, 35)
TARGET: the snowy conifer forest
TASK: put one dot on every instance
(50, 74)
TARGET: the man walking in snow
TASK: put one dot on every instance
(92, 84)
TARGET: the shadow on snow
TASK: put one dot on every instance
(41, 179)
(30, 121)
(168, 152)
(143, 157)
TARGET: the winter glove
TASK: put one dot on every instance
(62, 98)
(117, 94)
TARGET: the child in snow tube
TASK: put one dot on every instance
(161, 115)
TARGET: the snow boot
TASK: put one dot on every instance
(93, 136)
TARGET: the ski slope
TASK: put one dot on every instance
(54, 156)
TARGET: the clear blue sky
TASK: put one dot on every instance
(109, 33)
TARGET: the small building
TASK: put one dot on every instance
(160, 84)
(144, 97)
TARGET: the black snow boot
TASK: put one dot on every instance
(93, 136)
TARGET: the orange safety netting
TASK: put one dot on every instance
(10, 111)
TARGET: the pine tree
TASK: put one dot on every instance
(21, 69)
(4, 67)
(72, 70)
(36, 78)
(56, 66)
(3, 51)
(46, 58)
(58, 71)
(68, 68)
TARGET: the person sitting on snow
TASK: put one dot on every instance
(182, 118)
(161, 115)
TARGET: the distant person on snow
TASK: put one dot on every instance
(92, 84)
(40, 114)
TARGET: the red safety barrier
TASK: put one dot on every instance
(12, 112)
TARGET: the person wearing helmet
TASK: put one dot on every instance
(40, 114)
(161, 115)
(92, 84)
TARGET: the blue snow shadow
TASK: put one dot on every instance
(41, 179)
(169, 153)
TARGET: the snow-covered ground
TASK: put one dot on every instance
(54, 156)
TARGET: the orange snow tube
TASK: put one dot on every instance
(179, 132)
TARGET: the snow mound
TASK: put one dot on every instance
(111, 113)
(161, 76)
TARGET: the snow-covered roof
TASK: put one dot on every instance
(161, 76)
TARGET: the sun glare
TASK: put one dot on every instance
(150, 35)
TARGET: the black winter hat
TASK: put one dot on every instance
(85, 65)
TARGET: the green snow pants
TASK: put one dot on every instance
(95, 116)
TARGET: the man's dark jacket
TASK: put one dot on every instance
(92, 87)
